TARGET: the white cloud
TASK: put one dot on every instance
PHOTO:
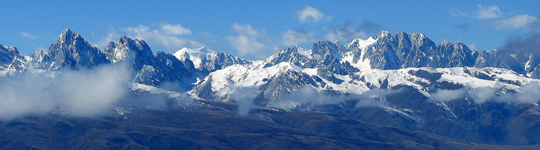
(481, 95)
(457, 13)
(27, 35)
(168, 36)
(244, 99)
(487, 12)
(528, 93)
(473, 47)
(81, 93)
(311, 14)
(515, 22)
(293, 38)
(504, 20)
(448, 95)
(175, 29)
(247, 30)
(246, 45)
(483, 12)
(251, 41)
(258, 43)
(344, 33)
(308, 95)
(111, 36)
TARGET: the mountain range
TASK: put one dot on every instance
(403, 83)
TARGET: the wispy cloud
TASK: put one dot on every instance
(27, 35)
(344, 33)
(166, 35)
(293, 38)
(457, 13)
(487, 12)
(111, 36)
(472, 46)
(251, 41)
(176, 29)
(504, 21)
(310, 96)
(310, 14)
(370, 26)
(483, 12)
(527, 93)
(523, 21)
(258, 43)
(244, 99)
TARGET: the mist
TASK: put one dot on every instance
(244, 97)
(375, 97)
(528, 93)
(308, 95)
(84, 93)
(481, 95)
(448, 95)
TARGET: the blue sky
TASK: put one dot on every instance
(256, 29)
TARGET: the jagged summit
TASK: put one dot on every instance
(124, 38)
(411, 65)
(383, 34)
(445, 42)
(125, 47)
(380, 51)
(71, 51)
(68, 36)
(7, 54)
(207, 60)
(418, 35)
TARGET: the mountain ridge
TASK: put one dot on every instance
(404, 80)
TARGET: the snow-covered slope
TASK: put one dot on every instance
(207, 60)
(403, 80)
(219, 84)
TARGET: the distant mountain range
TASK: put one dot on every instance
(404, 81)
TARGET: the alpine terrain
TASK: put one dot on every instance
(399, 91)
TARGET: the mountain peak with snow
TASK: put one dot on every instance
(208, 60)
(125, 47)
(71, 51)
(403, 80)
(68, 36)
(383, 34)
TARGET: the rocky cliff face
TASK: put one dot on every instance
(207, 60)
(405, 80)
(70, 51)
(417, 50)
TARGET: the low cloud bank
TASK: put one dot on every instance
(448, 95)
(244, 96)
(529, 93)
(309, 96)
(84, 93)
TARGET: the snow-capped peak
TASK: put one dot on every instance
(361, 43)
(383, 34)
(304, 52)
(445, 42)
(182, 54)
(68, 35)
(195, 55)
